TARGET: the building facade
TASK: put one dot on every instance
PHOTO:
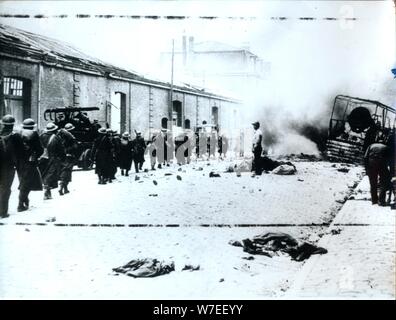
(38, 73)
(217, 65)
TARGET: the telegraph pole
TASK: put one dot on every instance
(171, 88)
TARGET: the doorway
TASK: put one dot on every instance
(17, 95)
(118, 111)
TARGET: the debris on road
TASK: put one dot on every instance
(137, 178)
(145, 268)
(213, 175)
(191, 267)
(270, 243)
(50, 219)
(178, 177)
(285, 169)
(248, 258)
(336, 231)
(235, 243)
(153, 195)
(155, 182)
(345, 170)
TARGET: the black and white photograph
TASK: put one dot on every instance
(197, 150)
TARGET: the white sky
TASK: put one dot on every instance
(309, 59)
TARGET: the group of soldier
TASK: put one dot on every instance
(111, 151)
(42, 162)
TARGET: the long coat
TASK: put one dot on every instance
(11, 145)
(102, 155)
(138, 148)
(55, 154)
(71, 148)
(28, 172)
(125, 157)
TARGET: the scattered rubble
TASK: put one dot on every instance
(178, 177)
(155, 182)
(345, 170)
(50, 219)
(336, 231)
(137, 178)
(285, 169)
(214, 175)
(248, 258)
(191, 267)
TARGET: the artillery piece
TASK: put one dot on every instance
(85, 131)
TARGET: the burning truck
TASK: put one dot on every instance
(354, 125)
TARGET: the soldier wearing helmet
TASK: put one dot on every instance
(51, 159)
(71, 149)
(11, 153)
(28, 172)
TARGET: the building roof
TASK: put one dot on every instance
(17, 43)
(215, 46)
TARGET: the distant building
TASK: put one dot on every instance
(214, 64)
(38, 73)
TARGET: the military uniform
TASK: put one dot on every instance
(71, 147)
(102, 155)
(11, 152)
(138, 149)
(125, 158)
(376, 161)
(28, 172)
(51, 159)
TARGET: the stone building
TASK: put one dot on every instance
(218, 65)
(39, 73)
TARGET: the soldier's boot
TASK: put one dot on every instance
(65, 189)
(23, 199)
(21, 206)
(127, 173)
(61, 189)
(47, 194)
(122, 172)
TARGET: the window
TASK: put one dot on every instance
(215, 115)
(177, 113)
(13, 87)
(187, 124)
(164, 123)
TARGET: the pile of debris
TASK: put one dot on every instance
(149, 268)
(266, 164)
(145, 268)
(270, 243)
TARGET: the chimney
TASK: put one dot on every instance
(184, 51)
(191, 44)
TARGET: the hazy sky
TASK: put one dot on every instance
(310, 59)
